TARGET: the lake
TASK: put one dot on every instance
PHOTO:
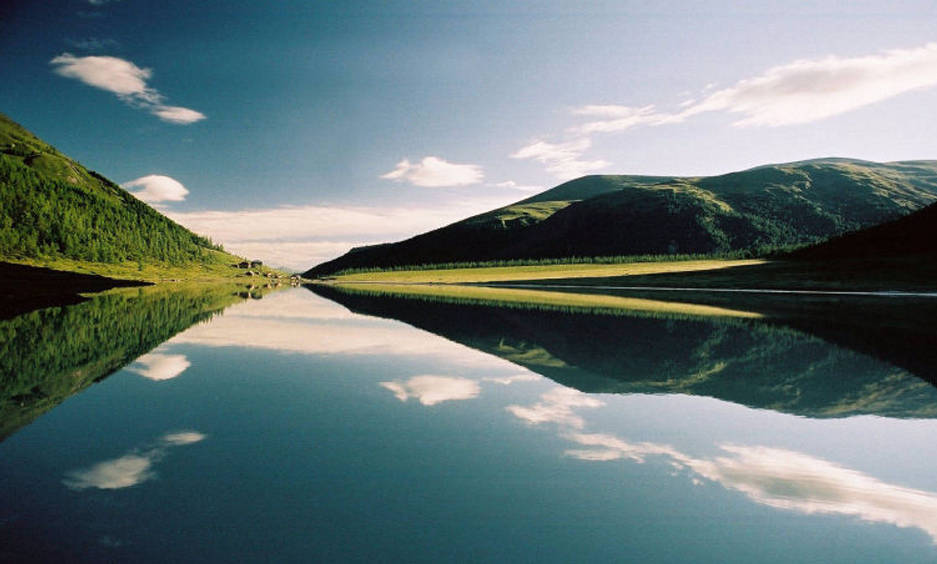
(355, 424)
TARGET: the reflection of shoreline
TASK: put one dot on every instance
(749, 362)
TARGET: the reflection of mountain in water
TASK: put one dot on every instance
(50, 354)
(743, 361)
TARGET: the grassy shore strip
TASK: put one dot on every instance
(216, 267)
(597, 303)
(542, 272)
(879, 274)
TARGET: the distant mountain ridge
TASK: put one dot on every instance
(53, 207)
(763, 207)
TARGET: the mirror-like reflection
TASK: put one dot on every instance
(50, 354)
(390, 428)
(747, 361)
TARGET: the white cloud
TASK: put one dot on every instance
(515, 186)
(159, 366)
(302, 236)
(562, 160)
(617, 118)
(126, 80)
(433, 172)
(128, 470)
(177, 114)
(157, 188)
(430, 390)
(813, 89)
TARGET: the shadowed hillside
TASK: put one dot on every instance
(763, 365)
(762, 208)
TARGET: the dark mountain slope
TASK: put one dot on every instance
(764, 207)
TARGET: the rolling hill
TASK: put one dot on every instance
(761, 208)
(53, 208)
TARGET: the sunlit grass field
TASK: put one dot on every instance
(524, 298)
(216, 267)
(542, 272)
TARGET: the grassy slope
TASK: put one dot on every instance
(541, 272)
(58, 214)
(768, 206)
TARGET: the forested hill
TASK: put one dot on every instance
(52, 207)
(761, 208)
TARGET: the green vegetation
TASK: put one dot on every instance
(768, 360)
(56, 213)
(545, 300)
(540, 271)
(758, 212)
(50, 354)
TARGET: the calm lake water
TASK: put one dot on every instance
(331, 425)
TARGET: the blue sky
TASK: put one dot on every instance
(291, 131)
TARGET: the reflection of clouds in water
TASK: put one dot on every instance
(159, 366)
(556, 406)
(786, 479)
(114, 474)
(310, 325)
(128, 470)
(430, 390)
(508, 380)
(778, 478)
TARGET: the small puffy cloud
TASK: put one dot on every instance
(562, 160)
(434, 172)
(159, 366)
(430, 390)
(155, 188)
(107, 73)
(126, 80)
(177, 114)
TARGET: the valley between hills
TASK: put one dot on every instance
(824, 224)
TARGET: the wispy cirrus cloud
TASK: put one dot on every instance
(126, 80)
(800, 92)
(155, 188)
(434, 172)
(562, 160)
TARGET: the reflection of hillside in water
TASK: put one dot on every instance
(49, 354)
(749, 362)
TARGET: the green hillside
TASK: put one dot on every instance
(53, 208)
(754, 210)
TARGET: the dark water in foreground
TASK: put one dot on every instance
(350, 427)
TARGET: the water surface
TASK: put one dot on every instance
(340, 425)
